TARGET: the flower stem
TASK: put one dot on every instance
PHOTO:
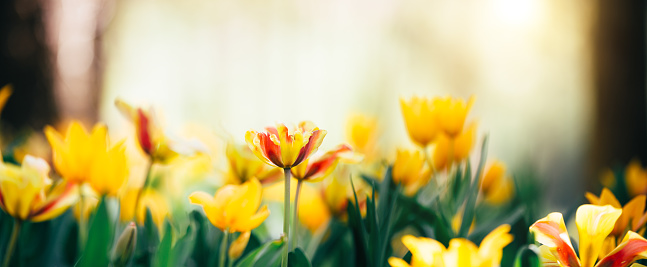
(83, 220)
(295, 220)
(286, 217)
(12, 243)
(141, 190)
(223, 249)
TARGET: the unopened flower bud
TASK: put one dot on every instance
(125, 247)
(237, 247)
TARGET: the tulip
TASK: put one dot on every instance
(410, 171)
(496, 187)
(234, 208)
(125, 247)
(451, 114)
(636, 178)
(361, 133)
(244, 165)
(420, 119)
(286, 148)
(5, 93)
(426, 252)
(150, 200)
(27, 194)
(594, 224)
(237, 247)
(450, 150)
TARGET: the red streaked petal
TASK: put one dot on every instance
(143, 132)
(313, 143)
(322, 165)
(551, 232)
(270, 150)
(632, 248)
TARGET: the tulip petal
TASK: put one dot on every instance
(314, 141)
(632, 248)
(253, 221)
(491, 247)
(424, 251)
(397, 262)
(594, 224)
(551, 232)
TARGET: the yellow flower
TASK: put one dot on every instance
(75, 154)
(316, 169)
(5, 93)
(150, 200)
(27, 193)
(448, 150)
(594, 224)
(234, 208)
(636, 178)
(497, 188)
(420, 119)
(83, 157)
(426, 252)
(244, 165)
(150, 135)
(410, 170)
(361, 133)
(237, 247)
(313, 211)
(283, 147)
(451, 114)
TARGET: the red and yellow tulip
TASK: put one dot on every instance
(285, 148)
(426, 252)
(28, 194)
(594, 224)
(314, 170)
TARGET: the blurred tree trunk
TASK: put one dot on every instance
(620, 129)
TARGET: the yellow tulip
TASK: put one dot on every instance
(410, 170)
(150, 200)
(636, 178)
(75, 154)
(150, 135)
(426, 252)
(594, 224)
(285, 148)
(244, 165)
(420, 119)
(81, 157)
(27, 193)
(234, 208)
(497, 188)
(361, 133)
(313, 210)
(448, 151)
(451, 114)
(237, 247)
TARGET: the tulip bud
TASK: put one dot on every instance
(125, 247)
(237, 247)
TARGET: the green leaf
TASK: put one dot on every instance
(147, 241)
(183, 247)
(163, 253)
(269, 254)
(97, 248)
(468, 212)
(297, 258)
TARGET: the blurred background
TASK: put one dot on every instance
(559, 85)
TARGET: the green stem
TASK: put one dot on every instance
(12, 243)
(83, 220)
(286, 217)
(141, 190)
(295, 219)
(223, 249)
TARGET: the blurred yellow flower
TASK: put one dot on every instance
(244, 165)
(361, 133)
(150, 200)
(594, 224)
(313, 211)
(283, 147)
(497, 188)
(426, 252)
(89, 203)
(451, 114)
(636, 178)
(234, 208)
(5, 93)
(420, 119)
(448, 151)
(237, 247)
(411, 171)
(83, 157)
(74, 155)
(27, 193)
(150, 135)
(314, 170)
